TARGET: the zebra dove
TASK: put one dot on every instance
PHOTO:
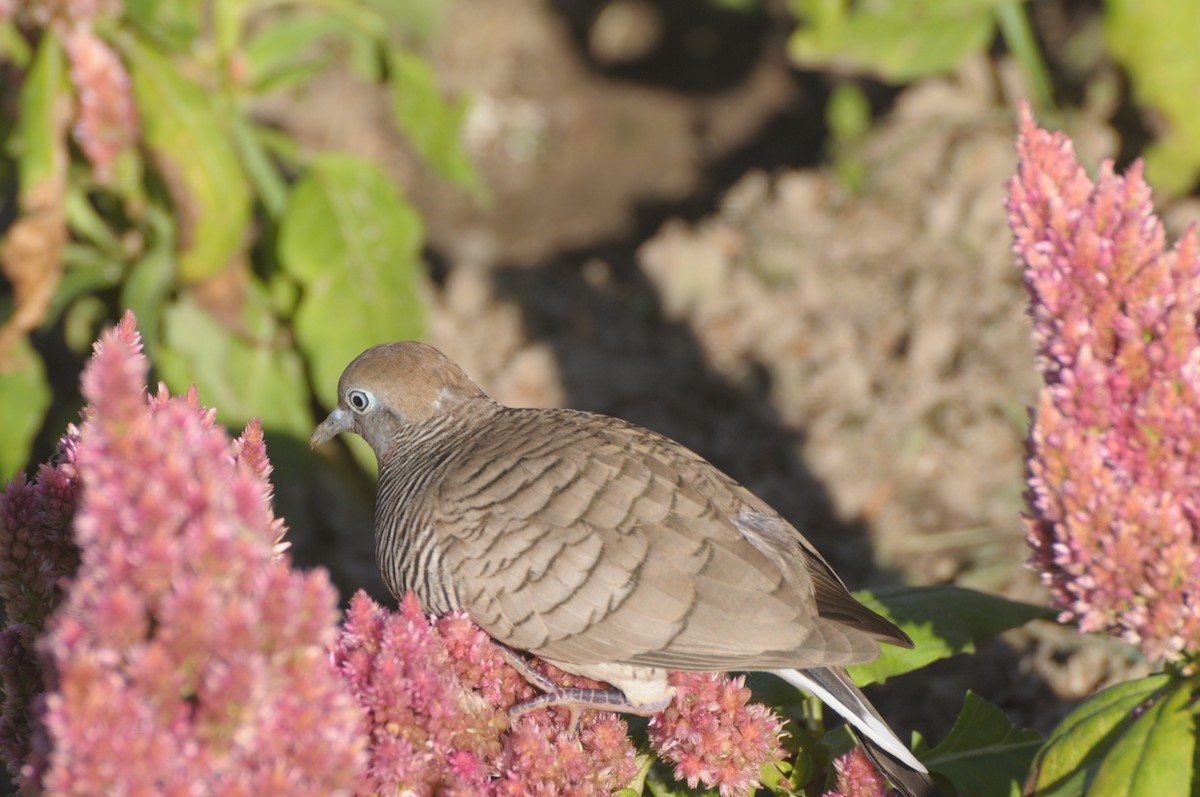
(606, 549)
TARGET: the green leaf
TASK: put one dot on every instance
(268, 181)
(352, 243)
(1155, 41)
(194, 152)
(172, 23)
(38, 146)
(984, 755)
(432, 124)
(282, 54)
(1085, 741)
(24, 399)
(244, 374)
(151, 279)
(896, 41)
(942, 621)
(13, 47)
(1154, 757)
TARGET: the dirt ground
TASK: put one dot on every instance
(668, 243)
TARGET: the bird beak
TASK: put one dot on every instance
(338, 421)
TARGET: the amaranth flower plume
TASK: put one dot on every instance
(1114, 449)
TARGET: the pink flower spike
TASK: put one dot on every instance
(713, 735)
(858, 777)
(107, 122)
(180, 625)
(1114, 448)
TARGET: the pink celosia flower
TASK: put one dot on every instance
(1114, 450)
(436, 699)
(107, 120)
(858, 777)
(712, 736)
(186, 657)
(36, 554)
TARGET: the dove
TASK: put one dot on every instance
(604, 548)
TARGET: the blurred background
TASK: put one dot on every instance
(772, 230)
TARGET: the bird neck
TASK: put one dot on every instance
(406, 546)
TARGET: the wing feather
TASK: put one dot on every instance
(598, 542)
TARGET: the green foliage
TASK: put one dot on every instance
(24, 398)
(256, 272)
(1155, 42)
(984, 754)
(1136, 738)
(900, 41)
(34, 145)
(896, 41)
(429, 122)
(183, 134)
(942, 621)
(344, 211)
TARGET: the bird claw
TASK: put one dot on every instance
(574, 699)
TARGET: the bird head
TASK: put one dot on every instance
(394, 386)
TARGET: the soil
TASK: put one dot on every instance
(671, 240)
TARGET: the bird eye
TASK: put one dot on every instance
(360, 400)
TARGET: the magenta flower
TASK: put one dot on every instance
(436, 700)
(713, 736)
(858, 777)
(185, 657)
(107, 122)
(1114, 450)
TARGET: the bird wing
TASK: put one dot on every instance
(585, 540)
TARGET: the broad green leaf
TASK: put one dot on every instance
(1086, 734)
(38, 146)
(984, 755)
(897, 41)
(1155, 41)
(942, 621)
(432, 124)
(244, 374)
(1153, 758)
(352, 243)
(24, 399)
(193, 150)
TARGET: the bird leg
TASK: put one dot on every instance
(574, 699)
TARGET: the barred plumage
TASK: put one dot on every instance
(604, 548)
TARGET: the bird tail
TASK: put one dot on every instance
(893, 758)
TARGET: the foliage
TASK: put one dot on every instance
(905, 40)
(902, 41)
(1155, 43)
(147, 180)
